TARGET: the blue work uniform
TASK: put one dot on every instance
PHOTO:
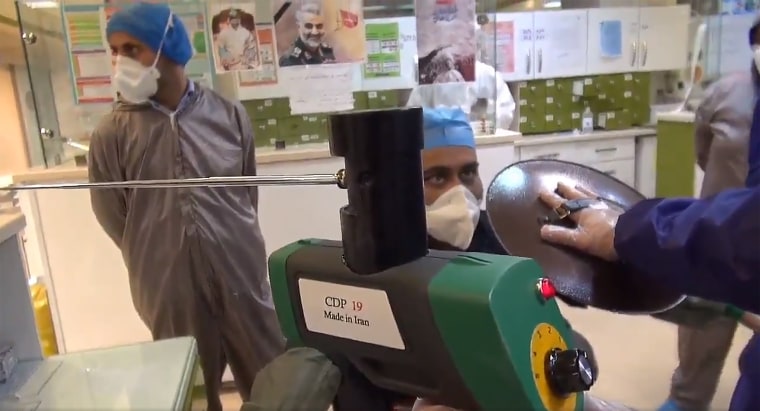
(707, 248)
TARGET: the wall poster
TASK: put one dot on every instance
(446, 41)
(311, 32)
(233, 31)
(88, 54)
(383, 50)
(499, 38)
(243, 37)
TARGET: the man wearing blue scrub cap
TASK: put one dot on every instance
(453, 188)
(453, 194)
(195, 257)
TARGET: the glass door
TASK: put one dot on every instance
(49, 81)
(39, 29)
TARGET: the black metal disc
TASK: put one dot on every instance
(514, 209)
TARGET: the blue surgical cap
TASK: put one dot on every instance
(447, 127)
(147, 22)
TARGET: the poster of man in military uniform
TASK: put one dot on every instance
(320, 32)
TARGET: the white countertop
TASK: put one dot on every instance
(72, 172)
(11, 223)
(541, 139)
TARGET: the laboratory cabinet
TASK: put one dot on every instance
(560, 43)
(539, 45)
(638, 39)
(611, 152)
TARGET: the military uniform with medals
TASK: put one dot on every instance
(299, 55)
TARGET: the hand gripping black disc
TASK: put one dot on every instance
(515, 211)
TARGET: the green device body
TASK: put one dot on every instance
(458, 328)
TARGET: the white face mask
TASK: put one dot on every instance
(452, 218)
(756, 56)
(135, 82)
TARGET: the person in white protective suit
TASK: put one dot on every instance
(486, 98)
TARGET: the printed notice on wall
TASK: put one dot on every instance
(267, 72)
(319, 88)
(383, 50)
(355, 313)
(90, 60)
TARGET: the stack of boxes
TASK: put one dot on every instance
(616, 101)
(274, 126)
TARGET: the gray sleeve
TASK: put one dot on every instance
(249, 150)
(108, 205)
(703, 132)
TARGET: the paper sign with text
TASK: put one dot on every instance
(355, 313)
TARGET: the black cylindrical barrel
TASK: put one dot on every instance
(383, 224)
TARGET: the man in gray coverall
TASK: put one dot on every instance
(723, 122)
(195, 256)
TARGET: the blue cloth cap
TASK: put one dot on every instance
(147, 22)
(447, 127)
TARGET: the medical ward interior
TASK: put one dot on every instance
(639, 67)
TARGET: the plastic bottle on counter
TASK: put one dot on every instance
(587, 121)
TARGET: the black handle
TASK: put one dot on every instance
(384, 223)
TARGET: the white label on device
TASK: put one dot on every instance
(345, 311)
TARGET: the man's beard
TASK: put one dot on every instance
(312, 41)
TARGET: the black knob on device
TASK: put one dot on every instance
(569, 371)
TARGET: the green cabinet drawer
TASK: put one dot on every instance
(265, 132)
(360, 100)
(267, 108)
(532, 124)
(382, 99)
(585, 87)
(613, 120)
(531, 90)
(298, 125)
(305, 138)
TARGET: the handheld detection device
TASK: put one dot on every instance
(467, 330)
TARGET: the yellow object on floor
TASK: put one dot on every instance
(43, 316)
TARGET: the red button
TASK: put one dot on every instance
(546, 288)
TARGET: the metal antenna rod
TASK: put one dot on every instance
(236, 181)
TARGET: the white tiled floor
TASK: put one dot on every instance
(636, 356)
